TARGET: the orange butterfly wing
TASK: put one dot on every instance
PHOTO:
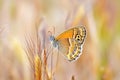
(66, 34)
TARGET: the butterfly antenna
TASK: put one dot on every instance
(50, 33)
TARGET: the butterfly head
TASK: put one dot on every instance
(53, 41)
(52, 38)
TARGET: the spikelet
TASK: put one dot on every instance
(38, 68)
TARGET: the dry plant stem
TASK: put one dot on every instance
(73, 78)
(45, 73)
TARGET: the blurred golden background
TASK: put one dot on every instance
(24, 43)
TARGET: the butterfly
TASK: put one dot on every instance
(70, 42)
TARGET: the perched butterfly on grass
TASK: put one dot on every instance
(70, 42)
